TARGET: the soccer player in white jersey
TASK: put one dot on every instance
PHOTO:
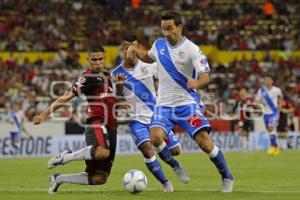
(135, 82)
(16, 119)
(182, 68)
(270, 96)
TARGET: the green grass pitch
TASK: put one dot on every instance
(257, 175)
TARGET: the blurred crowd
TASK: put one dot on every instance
(33, 25)
(35, 86)
(67, 27)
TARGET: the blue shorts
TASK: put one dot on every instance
(190, 117)
(140, 133)
(271, 120)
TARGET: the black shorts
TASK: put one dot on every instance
(94, 135)
(282, 126)
(248, 125)
(283, 123)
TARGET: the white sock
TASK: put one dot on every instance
(150, 160)
(214, 152)
(282, 142)
(81, 154)
(161, 147)
(80, 178)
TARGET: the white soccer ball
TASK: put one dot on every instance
(134, 181)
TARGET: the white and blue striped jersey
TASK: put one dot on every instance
(15, 119)
(269, 99)
(139, 90)
(176, 65)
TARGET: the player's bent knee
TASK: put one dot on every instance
(270, 129)
(245, 133)
(157, 136)
(101, 153)
(175, 151)
(99, 179)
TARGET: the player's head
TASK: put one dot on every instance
(16, 106)
(268, 80)
(243, 93)
(128, 40)
(171, 25)
(96, 58)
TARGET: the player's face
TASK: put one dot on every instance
(16, 107)
(243, 94)
(170, 31)
(96, 61)
(125, 47)
(268, 81)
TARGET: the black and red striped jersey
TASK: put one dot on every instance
(98, 91)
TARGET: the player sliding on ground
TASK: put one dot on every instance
(100, 134)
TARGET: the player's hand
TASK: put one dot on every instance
(192, 84)
(38, 119)
(131, 52)
(119, 80)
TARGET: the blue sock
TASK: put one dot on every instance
(273, 140)
(165, 154)
(217, 157)
(155, 168)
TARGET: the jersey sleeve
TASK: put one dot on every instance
(77, 85)
(199, 61)
(153, 52)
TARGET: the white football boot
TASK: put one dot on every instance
(58, 159)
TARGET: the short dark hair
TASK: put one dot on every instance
(96, 48)
(244, 88)
(130, 37)
(172, 15)
(268, 76)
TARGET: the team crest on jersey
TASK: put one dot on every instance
(81, 80)
(144, 71)
(194, 121)
(181, 54)
(145, 95)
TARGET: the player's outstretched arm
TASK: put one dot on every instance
(119, 84)
(38, 119)
(142, 54)
(202, 81)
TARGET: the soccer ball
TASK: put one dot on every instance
(134, 181)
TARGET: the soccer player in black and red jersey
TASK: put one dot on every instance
(244, 105)
(100, 134)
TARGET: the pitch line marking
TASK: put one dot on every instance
(183, 190)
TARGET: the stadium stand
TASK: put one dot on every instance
(225, 25)
(228, 24)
